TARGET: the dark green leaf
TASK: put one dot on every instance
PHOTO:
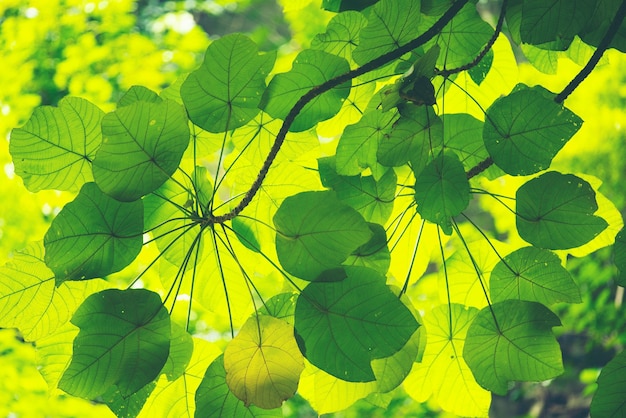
(94, 235)
(281, 306)
(344, 325)
(526, 129)
(551, 20)
(245, 233)
(341, 5)
(56, 146)
(181, 349)
(311, 68)
(215, 400)
(610, 398)
(138, 94)
(442, 191)
(358, 144)
(532, 274)
(620, 256)
(142, 147)
(124, 340)
(480, 71)
(374, 253)
(598, 24)
(225, 92)
(519, 347)
(463, 135)
(315, 231)
(129, 406)
(342, 34)
(556, 211)
(412, 138)
(391, 23)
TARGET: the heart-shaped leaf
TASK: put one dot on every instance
(94, 235)
(610, 398)
(124, 340)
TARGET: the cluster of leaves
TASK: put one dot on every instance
(318, 261)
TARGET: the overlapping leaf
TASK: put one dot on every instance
(526, 129)
(316, 232)
(551, 20)
(144, 143)
(56, 146)
(374, 253)
(610, 398)
(620, 256)
(263, 362)
(124, 340)
(311, 68)
(225, 92)
(520, 346)
(342, 34)
(29, 299)
(442, 191)
(556, 211)
(443, 372)
(533, 274)
(344, 325)
(391, 23)
(94, 235)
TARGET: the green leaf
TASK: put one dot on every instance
(442, 191)
(391, 23)
(142, 147)
(598, 24)
(463, 135)
(373, 199)
(443, 372)
(346, 324)
(556, 211)
(263, 363)
(358, 145)
(317, 232)
(215, 400)
(535, 275)
(341, 5)
(342, 34)
(620, 256)
(94, 235)
(519, 347)
(124, 340)
(29, 299)
(181, 349)
(412, 138)
(281, 306)
(610, 398)
(225, 92)
(311, 68)
(526, 129)
(127, 406)
(138, 94)
(480, 71)
(551, 20)
(56, 146)
(374, 253)
(245, 234)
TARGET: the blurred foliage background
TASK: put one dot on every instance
(98, 49)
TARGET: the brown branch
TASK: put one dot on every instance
(579, 78)
(328, 85)
(447, 73)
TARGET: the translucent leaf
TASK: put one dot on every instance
(181, 349)
(463, 134)
(358, 145)
(620, 256)
(556, 211)
(414, 135)
(263, 362)
(342, 34)
(551, 20)
(94, 235)
(526, 129)
(215, 400)
(56, 146)
(533, 274)
(391, 23)
(225, 92)
(175, 399)
(316, 232)
(281, 306)
(610, 398)
(371, 198)
(519, 347)
(29, 299)
(124, 340)
(344, 325)
(138, 94)
(480, 71)
(374, 253)
(142, 147)
(443, 372)
(341, 5)
(127, 406)
(245, 233)
(442, 191)
(54, 353)
(311, 68)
